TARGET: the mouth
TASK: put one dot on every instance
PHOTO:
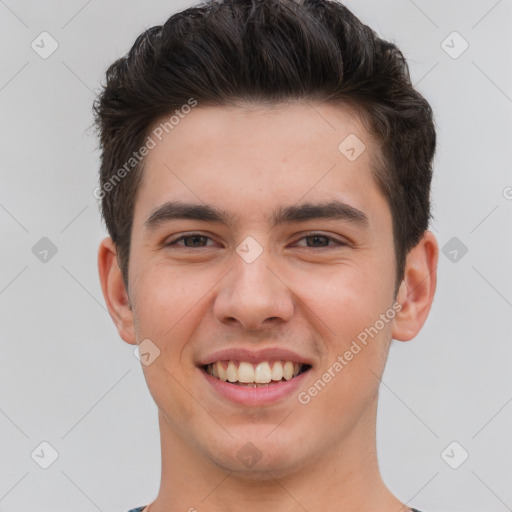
(255, 375)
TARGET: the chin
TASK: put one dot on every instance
(258, 458)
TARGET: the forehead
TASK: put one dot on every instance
(285, 130)
(245, 159)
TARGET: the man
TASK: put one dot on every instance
(265, 181)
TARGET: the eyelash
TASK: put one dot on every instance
(308, 235)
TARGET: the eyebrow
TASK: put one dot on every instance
(333, 210)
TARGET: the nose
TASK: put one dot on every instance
(254, 295)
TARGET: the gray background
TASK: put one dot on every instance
(68, 379)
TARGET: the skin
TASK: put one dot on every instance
(316, 299)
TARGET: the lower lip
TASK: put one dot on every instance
(244, 395)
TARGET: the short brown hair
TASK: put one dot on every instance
(229, 51)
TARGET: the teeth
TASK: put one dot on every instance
(262, 373)
(277, 371)
(288, 370)
(232, 372)
(221, 371)
(245, 372)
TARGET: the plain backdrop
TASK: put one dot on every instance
(68, 380)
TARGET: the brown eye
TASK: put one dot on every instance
(321, 241)
(315, 239)
(190, 241)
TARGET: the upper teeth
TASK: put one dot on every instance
(261, 373)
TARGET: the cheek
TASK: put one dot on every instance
(349, 305)
(347, 300)
(166, 296)
(168, 308)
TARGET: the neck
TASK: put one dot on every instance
(347, 477)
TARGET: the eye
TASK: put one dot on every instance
(196, 240)
(322, 239)
(318, 240)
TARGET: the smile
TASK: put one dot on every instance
(262, 374)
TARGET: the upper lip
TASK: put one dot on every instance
(254, 356)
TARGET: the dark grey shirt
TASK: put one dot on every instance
(140, 509)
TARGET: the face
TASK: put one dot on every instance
(263, 283)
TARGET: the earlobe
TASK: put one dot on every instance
(416, 293)
(114, 291)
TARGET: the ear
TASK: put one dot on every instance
(417, 290)
(114, 291)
